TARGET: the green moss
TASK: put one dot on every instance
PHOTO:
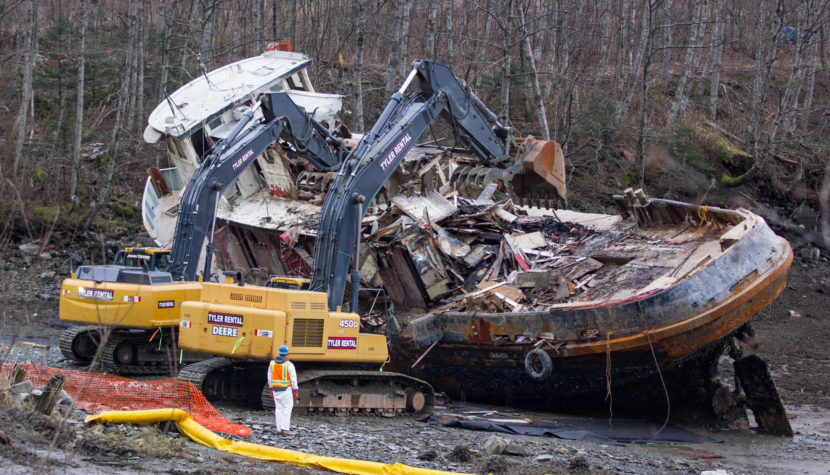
(724, 150)
(47, 215)
(741, 82)
(631, 178)
(123, 208)
(702, 166)
(732, 181)
(39, 174)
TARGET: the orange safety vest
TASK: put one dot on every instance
(279, 375)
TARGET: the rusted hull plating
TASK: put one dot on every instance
(683, 327)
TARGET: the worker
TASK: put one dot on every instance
(283, 380)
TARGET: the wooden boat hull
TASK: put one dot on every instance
(681, 329)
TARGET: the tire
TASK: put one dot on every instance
(538, 365)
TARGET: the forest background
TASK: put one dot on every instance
(722, 102)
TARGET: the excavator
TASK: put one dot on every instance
(244, 325)
(136, 308)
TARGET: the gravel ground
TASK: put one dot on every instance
(794, 344)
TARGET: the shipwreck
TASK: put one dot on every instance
(580, 311)
(500, 295)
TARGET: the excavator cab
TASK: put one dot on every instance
(148, 258)
(288, 282)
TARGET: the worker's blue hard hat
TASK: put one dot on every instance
(283, 350)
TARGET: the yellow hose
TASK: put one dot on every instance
(199, 434)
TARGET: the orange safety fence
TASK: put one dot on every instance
(95, 392)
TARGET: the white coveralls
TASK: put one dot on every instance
(284, 399)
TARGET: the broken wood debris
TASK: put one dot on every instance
(476, 255)
(44, 399)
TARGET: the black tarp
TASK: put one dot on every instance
(593, 430)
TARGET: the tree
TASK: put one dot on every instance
(812, 56)
(404, 42)
(120, 113)
(139, 85)
(681, 99)
(431, 28)
(506, 25)
(357, 88)
(393, 59)
(824, 203)
(166, 33)
(764, 58)
(717, 52)
(667, 47)
(785, 112)
(541, 112)
(257, 13)
(481, 43)
(450, 38)
(648, 52)
(605, 44)
(30, 48)
(79, 104)
(630, 82)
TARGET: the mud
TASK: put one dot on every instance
(793, 334)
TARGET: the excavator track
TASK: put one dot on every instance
(345, 392)
(336, 392)
(134, 352)
(221, 379)
(79, 343)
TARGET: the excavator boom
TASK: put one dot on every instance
(369, 166)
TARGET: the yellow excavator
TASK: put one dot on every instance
(244, 325)
(337, 364)
(133, 305)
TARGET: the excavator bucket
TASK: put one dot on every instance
(536, 177)
(542, 178)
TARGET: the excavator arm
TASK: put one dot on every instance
(374, 160)
(281, 118)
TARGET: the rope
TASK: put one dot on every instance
(384, 364)
(239, 342)
(608, 395)
(701, 214)
(656, 365)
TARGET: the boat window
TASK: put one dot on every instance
(215, 123)
(175, 147)
(201, 142)
(294, 82)
(276, 87)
